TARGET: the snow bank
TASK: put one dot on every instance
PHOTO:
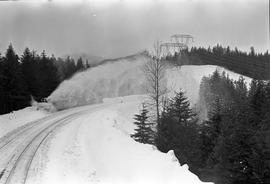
(13, 120)
(97, 148)
(125, 77)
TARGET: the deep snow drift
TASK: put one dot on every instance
(125, 77)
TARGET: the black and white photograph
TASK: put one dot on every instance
(134, 91)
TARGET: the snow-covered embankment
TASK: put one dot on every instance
(97, 148)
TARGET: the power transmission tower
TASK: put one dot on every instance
(178, 42)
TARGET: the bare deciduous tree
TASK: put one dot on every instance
(154, 70)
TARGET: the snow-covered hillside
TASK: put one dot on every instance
(188, 78)
(125, 77)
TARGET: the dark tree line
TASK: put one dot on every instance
(233, 145)
(252, 64)
(234, 142)
(32, 76)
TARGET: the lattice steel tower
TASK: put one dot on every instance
(178, 42)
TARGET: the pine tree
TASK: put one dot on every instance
(177, 130)
(2, 92)
(60, 65)
(29, 71)
(70, 67)
(180, 108)
(47, 76)
(166, 133)
(79, 65)
(15, 90)
(241, 92)
(211, 131)
(257, 100)
(87, 65)
(144, 133)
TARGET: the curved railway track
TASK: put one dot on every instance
(17, 166)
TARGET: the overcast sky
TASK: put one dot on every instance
(118, 28)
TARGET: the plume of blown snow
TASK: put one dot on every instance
(125, 76)
(117, 78)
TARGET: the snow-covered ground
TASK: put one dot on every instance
(96, 148)
(92, 147)
(13, 120)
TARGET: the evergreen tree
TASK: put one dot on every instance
(70, 67)
(48, 80)
(241, 91)
(144, 133)
(87, 65)
(252, 51)
(2, 92)
(15, 91)
(257, 100)
(177, 130)
(180, 108)
(79, 65)
(60, 65)
(29, 71)
(165, 133)
(211, 131)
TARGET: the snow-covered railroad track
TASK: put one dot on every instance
(12, 136)
(19, 162)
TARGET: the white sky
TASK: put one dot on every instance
(113, 28)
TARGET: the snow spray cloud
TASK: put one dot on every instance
(124, 76)
(112, 79)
